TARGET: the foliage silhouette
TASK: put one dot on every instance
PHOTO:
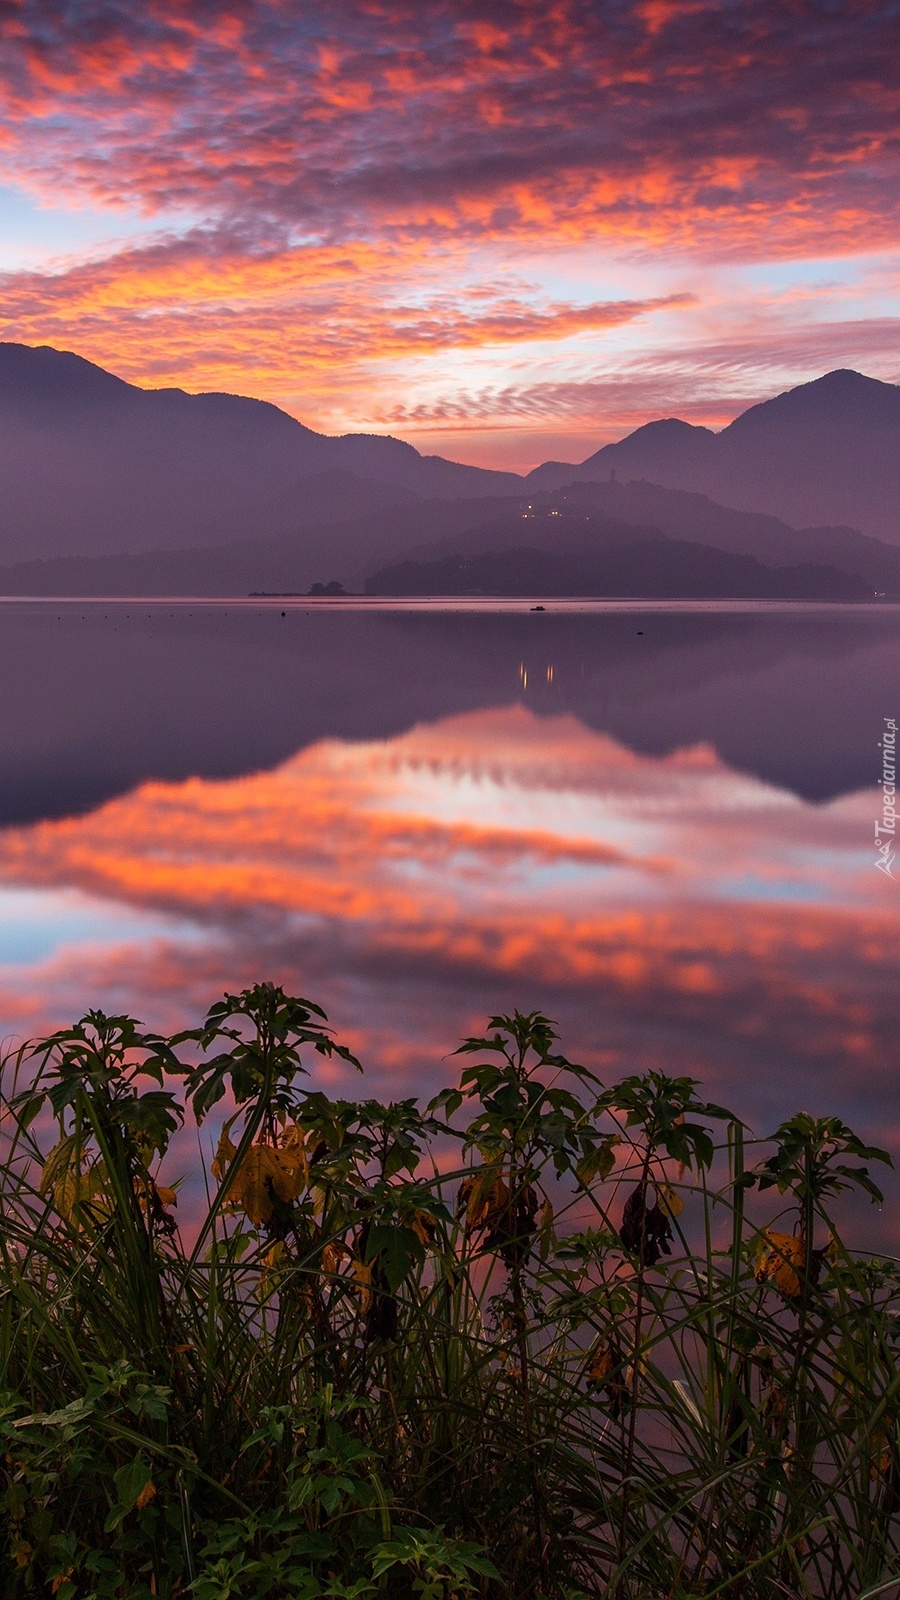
(527, 1341)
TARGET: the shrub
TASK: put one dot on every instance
(526, 1341)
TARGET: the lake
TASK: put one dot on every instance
(656, 824)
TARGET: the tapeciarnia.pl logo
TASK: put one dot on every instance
(888, 824)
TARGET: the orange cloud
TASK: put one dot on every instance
(359, 171)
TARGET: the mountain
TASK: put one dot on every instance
(90, 464)
(345, 548)
(108, 488)
(584, 521)
(824, 452)
(593, 514)
(670, 569)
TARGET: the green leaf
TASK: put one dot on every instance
(397, 1249)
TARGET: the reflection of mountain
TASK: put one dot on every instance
(96, 701)
(667, 911)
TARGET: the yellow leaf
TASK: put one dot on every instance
(483, 1196)
(75, 1188)
(67, 1191)
(146, 1494)
(601, 1366)
(670, 1200)
(225, 1151)
(780, 1258)
(61, 1158)
(331, 1258)
(424, 1227)
(598, 1163)
(253, 1186)
(157, 1191)
(363, 1275)
(292, 1148)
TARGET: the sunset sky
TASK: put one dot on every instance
(505, 231)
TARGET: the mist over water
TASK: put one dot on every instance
(655, 825)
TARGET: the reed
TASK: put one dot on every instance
(545, 1337)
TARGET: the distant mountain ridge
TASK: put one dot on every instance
(571, 540)
(109, 488)
(588, 512)
(91, 465)
(644, 568)
(824, 452)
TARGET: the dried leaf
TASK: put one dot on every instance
(601, 1366)
(254, 1185)
(424, 1227)
(362, 1272)
(225, 1151)
(483, 1196)
(605, 1373)
(62, 1157)
(489, 1207)
(670, 1200)
(146, 1495)
(331, 1258)
(646, 1230)
(598, 1163)
(779, 1261)
(294, 1156)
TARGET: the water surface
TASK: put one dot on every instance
(654, 823)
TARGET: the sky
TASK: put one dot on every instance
(506, 231)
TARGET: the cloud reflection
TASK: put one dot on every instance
(668, 911)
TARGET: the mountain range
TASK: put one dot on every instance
(108, 488)
(824, 452)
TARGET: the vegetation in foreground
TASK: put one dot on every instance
(525, 1342)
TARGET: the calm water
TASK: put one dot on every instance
(657, 825)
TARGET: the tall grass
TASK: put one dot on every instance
(545, 1337)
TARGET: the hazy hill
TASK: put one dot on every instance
(598, 513)
(825, 452)
(584, 521)
(90, 464)
(346, 548)
(109, 488)
(658, 568)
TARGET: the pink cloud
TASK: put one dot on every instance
(334, 188)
